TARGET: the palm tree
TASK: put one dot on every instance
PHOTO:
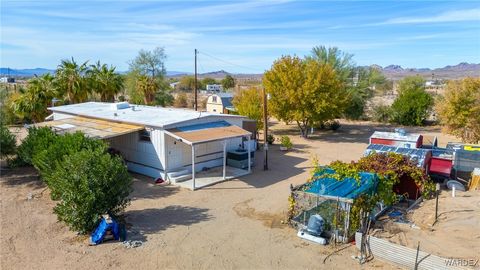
(71, 80)
(33, 101)
(340, 61)
(105, 81)
(147, 86)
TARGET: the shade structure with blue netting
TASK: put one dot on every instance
(332, 199)
(349, 188)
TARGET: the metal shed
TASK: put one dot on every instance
(398, 139)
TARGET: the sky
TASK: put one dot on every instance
(239, 37)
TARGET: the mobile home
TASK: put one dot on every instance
(174, 144)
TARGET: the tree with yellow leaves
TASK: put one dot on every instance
(249, 103)
(305, 91)
(459, 110)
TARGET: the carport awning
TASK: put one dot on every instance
(208, 132)
(94, 128)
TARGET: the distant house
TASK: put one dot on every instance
(7, 80)
(429, 83)
(214, 88)
(174, 85)
(220, 103)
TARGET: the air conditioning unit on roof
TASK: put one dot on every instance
(119, 106)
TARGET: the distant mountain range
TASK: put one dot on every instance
(393, 72)
(396, 72)
(29, 72)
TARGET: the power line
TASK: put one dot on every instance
(227, 62)
(202, 70)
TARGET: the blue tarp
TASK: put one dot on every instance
(346, 188)
(204, 126)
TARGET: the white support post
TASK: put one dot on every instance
(165, 155)
(224, 159)
(249, 158)
(193, 167)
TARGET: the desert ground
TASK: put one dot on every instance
(236, 224)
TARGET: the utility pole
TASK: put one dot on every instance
(195, 103)
(265, 132)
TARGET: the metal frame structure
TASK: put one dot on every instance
(224, 139)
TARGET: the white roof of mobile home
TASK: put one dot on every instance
(135, 114)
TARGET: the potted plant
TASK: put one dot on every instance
(270, 139)
(286, 143)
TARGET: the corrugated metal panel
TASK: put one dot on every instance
(422, 156)
(94, 128)
(404, 256)
(396, 136)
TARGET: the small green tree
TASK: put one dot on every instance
(7, 101)
(249, 103)
(365, 83)
(146, 76)
(459, 111)
(8, 142)
(228, 82)
(356, 105)
(90, 183)
(187, 84)
(164, 98)
(208, 80)
(181, 101)
(413, 103)
(381, 113)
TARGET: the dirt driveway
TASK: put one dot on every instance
(232, 225)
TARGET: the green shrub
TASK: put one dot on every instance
(7, 100)
(413, 103)
(381, 113)
(270, 139)
(90, 183)
(356, 106)
(8, 142)
(48, 160)
(286, 142)
(37, 140)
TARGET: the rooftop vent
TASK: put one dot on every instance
(119, 106)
